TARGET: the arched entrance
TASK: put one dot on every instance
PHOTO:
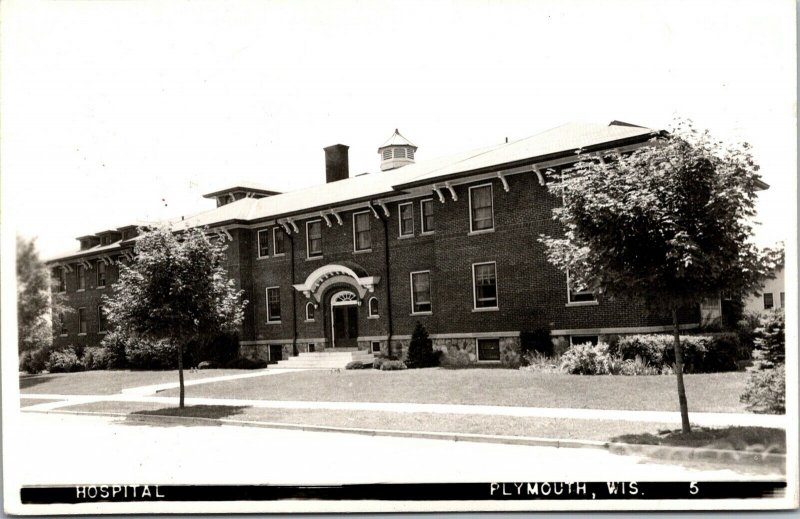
(344, 319)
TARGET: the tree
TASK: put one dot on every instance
(668, 225)
(176, 289)
(420, 349)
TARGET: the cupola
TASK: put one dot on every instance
(396, 152)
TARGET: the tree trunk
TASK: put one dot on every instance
(685, 427)
(180, 374)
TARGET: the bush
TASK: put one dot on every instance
(392, 365)
(65, 361)
(723, 352)
(245, 363)
(114, 344)
(95, 357)
(638, 367)
(420, 349)
(141, 354)
(766, 391)
(218, 350)
(355, 364)
(770, 340)
(207, 364)
(536, 341)
(710, 353)
(35, 361)
(540, 363)
(588, 359)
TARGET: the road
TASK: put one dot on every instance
(68, 449)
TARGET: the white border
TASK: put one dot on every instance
(258, 243)
(491, 199)
(430, 291)
(275, 252)
(266, 294)
(355, 241)
(400, 220)
(494, 308)
(308, 240)
(422, 230)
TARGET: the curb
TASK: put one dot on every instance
(662, 452)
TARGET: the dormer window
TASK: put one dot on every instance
(396, 152)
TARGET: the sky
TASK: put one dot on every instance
(120, 112)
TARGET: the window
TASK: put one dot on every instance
(362, 237)
(376, 346)
(387, 154)
(101, 274)
(426, 209)
(399, 153)
(278, 241)
(102, 323)
(406, 219)
(310, 312)
(579, 295)
(82, 321)
(314, 238)
(410, 153)
(489, 350)
(373, 307)
(480, 206)
(311, 347)
(768, 302)
(273, 305)
(484, 277)
(62, 323)
(60, 275)
(783, 299)
(583, 339)
(80, 273)
(421, 292)
(263, 243)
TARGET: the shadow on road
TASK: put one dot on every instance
(175, 416)
(26, 381)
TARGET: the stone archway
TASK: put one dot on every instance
(327, 276)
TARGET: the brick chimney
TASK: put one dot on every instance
(337, 166)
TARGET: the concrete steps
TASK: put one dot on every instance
(331, 359)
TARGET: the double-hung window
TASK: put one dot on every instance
(362, 235)
(263, 243)
(278, 241)
(273, 305)
(481, 209)
(488, 350)
(406, 219)
(578, 294)
(484, 277)
(80, 272)
(61, 279)
(101, 274)
(421, 292)
(82, 324)
(314, 238)
(769, 302)
(426, 211)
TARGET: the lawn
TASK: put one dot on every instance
(107, 382)
(716, 392)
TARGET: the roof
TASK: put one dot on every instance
(250, 187)
(397, 140)
(560, 141)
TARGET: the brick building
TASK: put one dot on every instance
(356, 262)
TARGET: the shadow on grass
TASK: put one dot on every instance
(26, 381)
(162, 417)
(750, 439)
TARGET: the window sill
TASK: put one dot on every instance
(582, 303)
(81, 334)
(314, 258)
(492, 309)
(274, 322)
(64, 335)
(101, 288)
(364, 251)
(482, 231)
(310, 321)
(405, 236)
(278, 255)
(479, 361)
(421, 313)
(262, 258)
(374, 317)
(427, 233)
(80, 290)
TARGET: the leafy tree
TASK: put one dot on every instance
(667, 224)
(33, 298)
(420, 349)
(175, 290)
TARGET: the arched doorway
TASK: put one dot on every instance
(344, 319)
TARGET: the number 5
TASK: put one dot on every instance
(693, 488)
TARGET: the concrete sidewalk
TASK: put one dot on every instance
(697, 418)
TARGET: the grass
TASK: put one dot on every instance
(730, 438)
(601, 430)
(25, 402)
(107, 382)
(716, 392)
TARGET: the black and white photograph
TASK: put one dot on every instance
(398, 256)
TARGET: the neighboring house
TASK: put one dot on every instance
(357, 261)
(771, 295)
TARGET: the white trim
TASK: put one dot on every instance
(478, 350)
(270, 320)
(583, 335)
(400, 233)
(491, 199)
(430, 292)
(570, 302)
(422, 230)
(335, 303)
(313, 313)
(374, 338)
(621, 331)
(308, 242)
(355, 242)
(370, 315)
(475, 307)
(258, 243)
(275, 252)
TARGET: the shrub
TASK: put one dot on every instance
(355, 364)
(219, 350)
(35, 361)
(709, 353)
(638, 367)
(420, 349)
(245, 363)
(766, 391)
(536, 341)
(141, 354)
(114, 344)
(392, 365)
(587, 359)
(540, 363)
(723, 351)
(456, 358)
(95, 357)
(65, 361)
(207, 364)
(770, 340)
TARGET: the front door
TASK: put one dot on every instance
(344, 320)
